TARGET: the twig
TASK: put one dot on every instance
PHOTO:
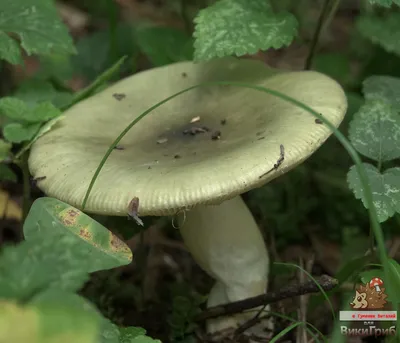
(278, 163)
(326, 282)
(325, 13)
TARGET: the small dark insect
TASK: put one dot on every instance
(133, 208)
(177, 156)
(318, 121)
(119, 96)
(278, 162)
(195, 130)
(223, 121)
(119, 147)
(216, 135)
(184, 74)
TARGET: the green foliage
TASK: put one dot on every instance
(223, 29)
(25, 119)
(385, 189)
(335, 65)
(37, 24)
(36, 91)
(95, 52)
(163, 45)
(384, 31)
(185, 306)
(19, 110)
(383, 87)
(5, 148)
(375, 133)
(6, 174)
(20, 132)
(384, 3)
(40, 319)
(135, 335)
(39, 264)
(49, 215)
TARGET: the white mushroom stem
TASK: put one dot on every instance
(227, 243)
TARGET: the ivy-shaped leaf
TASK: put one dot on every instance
(385, 189)
(37, 25)
(383, 31)
(18, 110)
(239, 27)
(375, 131)
(384, 3)
(383, 87)
(34, 91)
(18, 133)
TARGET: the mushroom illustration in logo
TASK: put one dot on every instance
(376, 282)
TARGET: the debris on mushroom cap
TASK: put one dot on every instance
(70, 153)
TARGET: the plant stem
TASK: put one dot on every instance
(26, 198)
(185, 17)
(327, 13)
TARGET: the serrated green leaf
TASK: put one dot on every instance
(9, 49)
(18, 110)
(109, 332)
(103, 249)
(39, 264)
(45, 128)
(18, 133)
(385, 189)
(239, 27)
(38, 26)
(382, 31)
(383, 87)
(6, 174)
(384, 3)
(5, 148)
(135, 335)
(34, 91)
(375, 131)
(164, 45)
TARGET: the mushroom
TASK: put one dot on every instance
(376, 282)
(204, 184)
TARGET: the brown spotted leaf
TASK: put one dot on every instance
(104, 250)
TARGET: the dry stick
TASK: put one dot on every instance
(326, 282)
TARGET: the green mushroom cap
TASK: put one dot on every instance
(202, 147)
